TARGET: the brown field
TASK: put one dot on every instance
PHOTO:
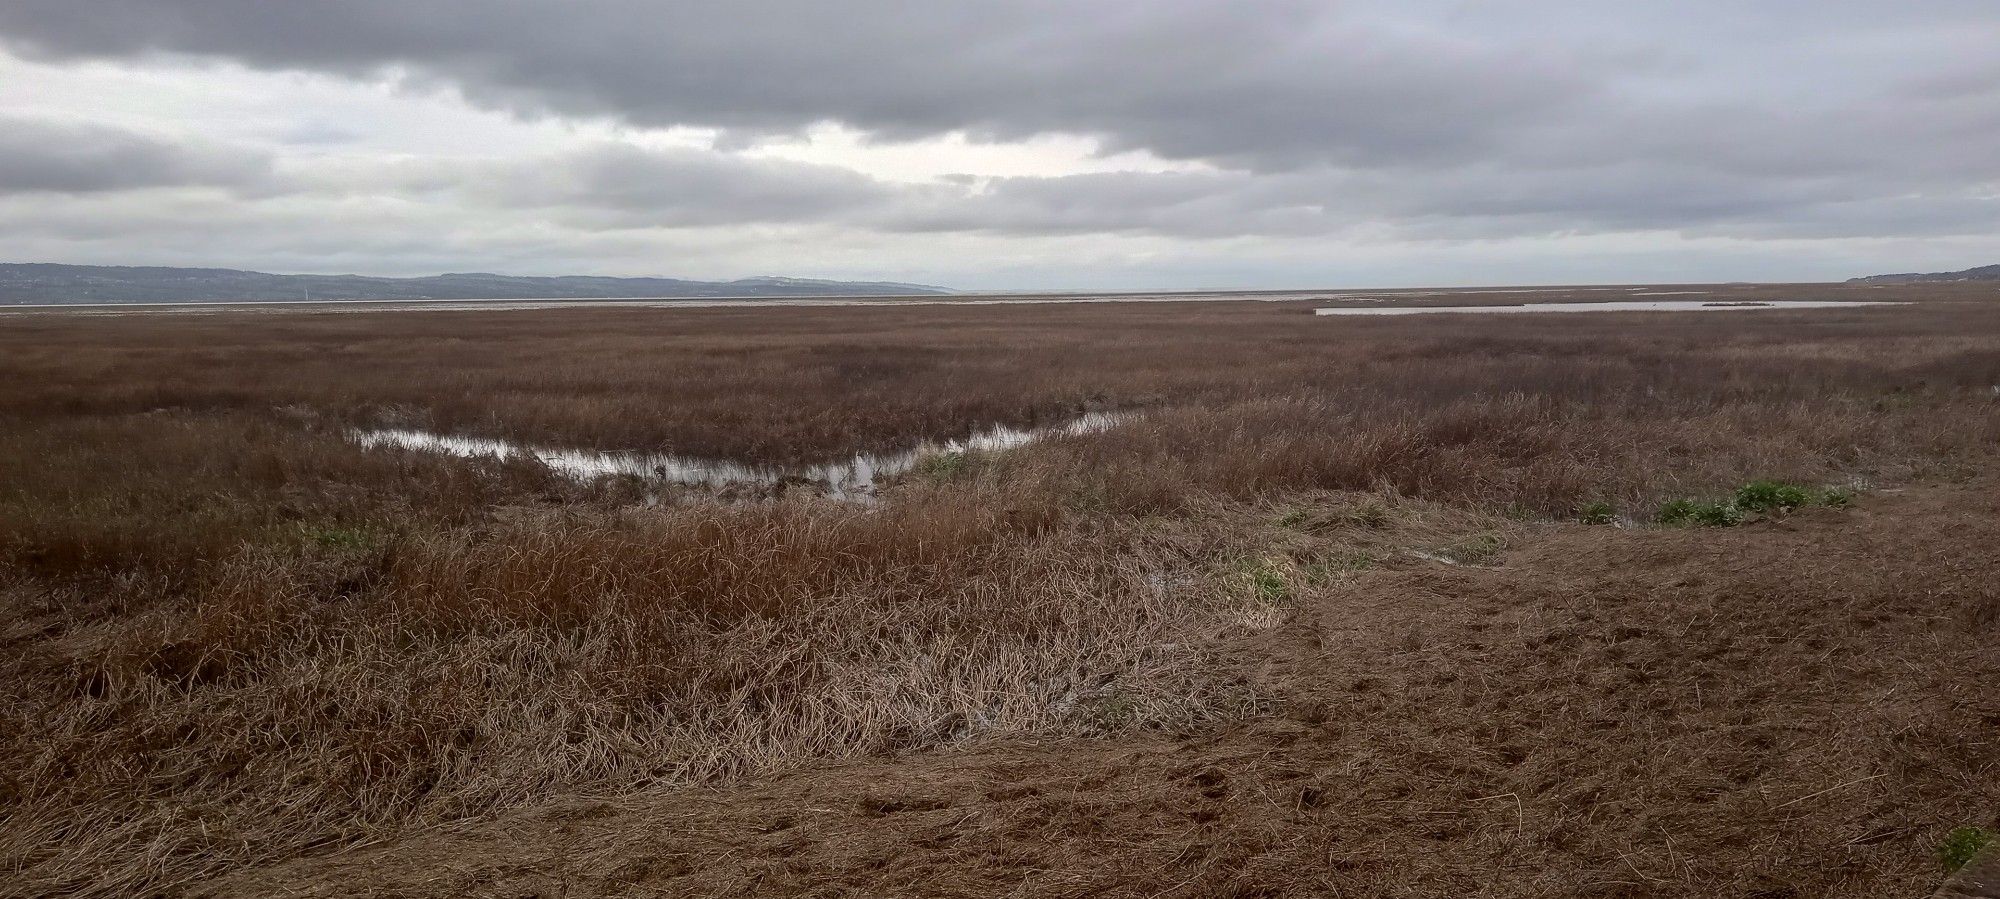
(1319, 619)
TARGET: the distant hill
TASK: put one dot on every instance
(1982, 273)
(40, 283)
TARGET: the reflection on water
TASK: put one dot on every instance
(1618, 306)
(853, 478)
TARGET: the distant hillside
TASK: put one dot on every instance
(44, 283)
(1982, 273)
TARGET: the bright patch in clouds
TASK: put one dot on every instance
(954, 154)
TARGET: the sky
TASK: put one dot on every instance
(1008, 144)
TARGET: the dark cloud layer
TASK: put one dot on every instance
(41, 156)
(1258, 83)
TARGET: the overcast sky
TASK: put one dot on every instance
(1008, 143)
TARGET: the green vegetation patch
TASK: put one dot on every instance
(943, 467)
(1267, 580)
(1327, 569)
(1599, 512)
(1765, 498)
(1476, 550)
(341, 537)
(1964, 844)
(1771, 496)
(1114, 711)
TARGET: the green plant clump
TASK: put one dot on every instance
(1679, 511)
(1718, 515)
(1964, 844)
(1267, 582)
(1327, 569)
(1114, 711)
(1754, 498)
(1599, 512)
(941, 467)
(1771, 496)
(1690, 512)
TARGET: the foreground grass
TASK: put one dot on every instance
(310, 664)
(294, 695)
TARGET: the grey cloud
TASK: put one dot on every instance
(1469, 203)
(621, 186)
(39, 155)
(1256, 83)
(1268, 84)
(679, 187)
(606, 185)
(1222, 204)
(394, 241)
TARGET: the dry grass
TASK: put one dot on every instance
(233, 636)
(315, 695)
